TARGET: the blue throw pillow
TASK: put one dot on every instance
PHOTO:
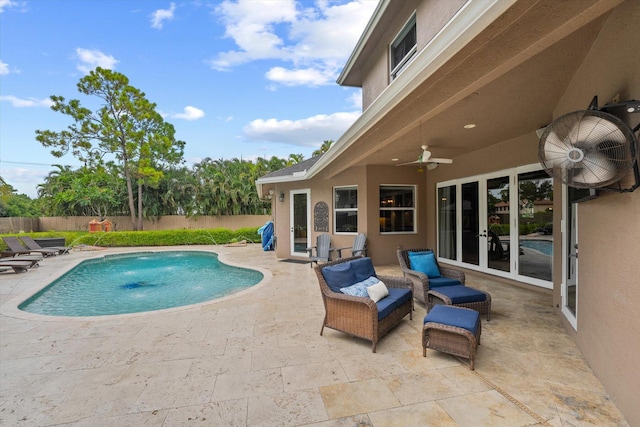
(362, 268)
(356, 290)
(424, 262)
(338, 276)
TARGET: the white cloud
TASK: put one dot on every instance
(29, 102)
(7, 4)
(355, 99)
(4, 68)
(91, 58)
(308, 132)
(159, 16)
(24, 180)
(190, 114)
(316, 41)
(299, 77)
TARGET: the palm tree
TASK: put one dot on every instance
(323, 148)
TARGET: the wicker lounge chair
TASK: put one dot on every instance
(420, 280)
(360, 315)
(359, 247)
(33, 245)
(322, 248)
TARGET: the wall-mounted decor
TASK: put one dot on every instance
(321, 217)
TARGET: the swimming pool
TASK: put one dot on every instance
(139, 282)
(544, 246)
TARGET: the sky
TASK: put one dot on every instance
(236, 78)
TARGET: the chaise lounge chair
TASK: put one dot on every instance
(17, 265)
(33, 245)
(17, 248)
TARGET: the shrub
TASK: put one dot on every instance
(219, 236)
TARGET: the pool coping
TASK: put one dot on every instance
(10, 307)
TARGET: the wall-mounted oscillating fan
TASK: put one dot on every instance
(588, 149)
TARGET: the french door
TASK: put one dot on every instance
(569, 291)
(300, 220)
(499, 223)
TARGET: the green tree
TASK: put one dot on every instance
(15, 205)
(83, 192)
(323, 148)
(126, 129)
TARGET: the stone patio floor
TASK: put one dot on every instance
(256, 358)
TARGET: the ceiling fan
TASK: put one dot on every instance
(425, 158)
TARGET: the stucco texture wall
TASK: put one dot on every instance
(608, 327)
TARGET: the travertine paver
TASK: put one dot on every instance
(257, 359)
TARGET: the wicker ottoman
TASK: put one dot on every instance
(460, 296)
(453, 330)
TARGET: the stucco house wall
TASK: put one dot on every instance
(432, 15)
(608, 332)
(601, 58)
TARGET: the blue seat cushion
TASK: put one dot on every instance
(338, 276)
(424, 262)
(396, 297)
(439, 282)
(454, 316)
(362, 269)
(461, 294)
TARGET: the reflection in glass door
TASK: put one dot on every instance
(503, 224)
(498, 224)
(299, 220)
(570, 254)
(535, 225)
(470, 223)
(447, 222)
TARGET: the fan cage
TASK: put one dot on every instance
(588, 149)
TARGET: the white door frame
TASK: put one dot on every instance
(568, 256)
(482, 265)
(292, 194)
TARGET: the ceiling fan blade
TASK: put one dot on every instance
(440, 160)
(408, 163)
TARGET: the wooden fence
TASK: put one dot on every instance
(123, 223)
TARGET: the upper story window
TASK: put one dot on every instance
(397, 209)
(403, 47)
(345, 203)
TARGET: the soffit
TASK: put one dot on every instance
(507, 81)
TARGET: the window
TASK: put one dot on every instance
(345, 202)
(397, 209)
(403, 47)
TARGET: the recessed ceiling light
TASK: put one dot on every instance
(394, 159)
(470, 126)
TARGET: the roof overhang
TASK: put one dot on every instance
(471, 20)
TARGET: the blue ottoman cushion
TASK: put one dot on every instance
(454, 316)
(460, 294)
(439, 282)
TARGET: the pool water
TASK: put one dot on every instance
(544, 246)
(133, 283)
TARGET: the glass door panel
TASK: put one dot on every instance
(535, 225)
(470, 223)
(447, 222)
(498, 224)
(300, 222)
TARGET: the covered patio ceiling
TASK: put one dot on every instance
(507, 81)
